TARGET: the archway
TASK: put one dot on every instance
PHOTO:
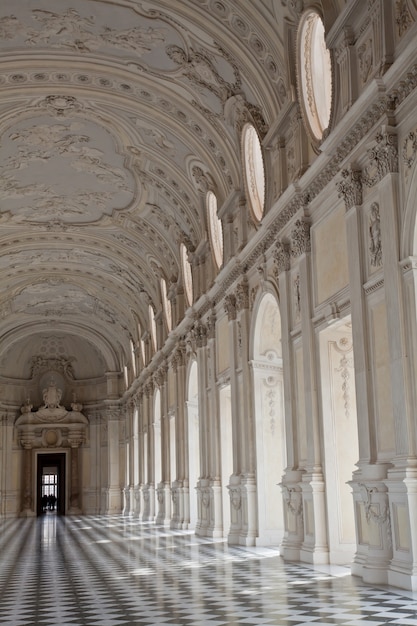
(269, 419)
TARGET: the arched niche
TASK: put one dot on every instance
(268, 398)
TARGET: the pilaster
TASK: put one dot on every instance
(181, 439)
(290, 485)
(314, 548)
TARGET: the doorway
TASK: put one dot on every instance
(50, 484)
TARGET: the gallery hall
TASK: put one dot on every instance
(208, 312)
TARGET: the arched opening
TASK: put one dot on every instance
(269, 420)
(340, 437)
(193, 441)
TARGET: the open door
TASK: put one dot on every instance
(50, 484)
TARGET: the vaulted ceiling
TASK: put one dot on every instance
(113, 117)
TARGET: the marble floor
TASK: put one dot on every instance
(114, 571)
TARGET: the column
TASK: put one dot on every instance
(27, 492)
(149, 391)
(180, 485)
(91, 494)
(164, 488)
(135, 495)
(291, 481)
(248, 488)
(74, 499)
(234, 486)
(113, 490)
(314, 548)
(9, 488)
(130, 460)
(402, 474)
(373, 551)
(211, 488)
(204, 441)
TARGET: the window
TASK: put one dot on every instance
(215, 228)
(152, 326)
(142, 345)
(254, 170)
(166, 304)
(133, 352)
(314, 74)
(187, 275)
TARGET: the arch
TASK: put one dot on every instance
(92, 335)
(268, 399)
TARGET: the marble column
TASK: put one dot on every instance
(180, 485)
(291, 480)
(74, 499)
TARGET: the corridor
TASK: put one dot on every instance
(115, 571)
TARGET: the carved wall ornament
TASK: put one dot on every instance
(375, 244)
(230, 306)
(282, 257)
(293, 500)
(365, 56)
(383, 158)
(200, 69)
(350, 188)
(41, 364)
(205, 497)
(409, 151)
(238, 112)
(239, 335)
(403, 18)
(178, 356)
(61, 106)
(211, 323)
(203, 180)
(158, 378)
(242, 294)
(270, 402)
(252, 297)
(235, 497)
(200, 334)
(344, 347)
(376, 513)
(70, 30)
(297, 297)
(300, 238)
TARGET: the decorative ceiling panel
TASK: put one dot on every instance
(114, 121)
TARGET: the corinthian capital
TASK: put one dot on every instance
(300, 238)
(242, 294)
(350, 188)
(230, 306)
(281, 256)
(383, 158)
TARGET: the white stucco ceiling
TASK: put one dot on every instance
(105, 109)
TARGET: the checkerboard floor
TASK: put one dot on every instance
(115, 571)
